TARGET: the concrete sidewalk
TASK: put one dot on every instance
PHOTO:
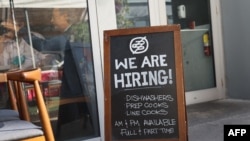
(206, 120)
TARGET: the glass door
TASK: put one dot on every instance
(198, 58)
(201, 53)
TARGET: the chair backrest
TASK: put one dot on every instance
(16, 80)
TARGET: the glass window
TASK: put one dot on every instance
(169, 12)
(56, 39)
(132, 13)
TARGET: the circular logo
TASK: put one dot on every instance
(138, 45)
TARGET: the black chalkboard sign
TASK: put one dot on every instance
(144, 90)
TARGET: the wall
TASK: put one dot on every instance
(236, 34)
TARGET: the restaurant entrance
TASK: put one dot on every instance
(71, 58)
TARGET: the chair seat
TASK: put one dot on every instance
(18, 129)
(8, 114)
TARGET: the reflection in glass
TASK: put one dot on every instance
(131, 13)
(58, 41)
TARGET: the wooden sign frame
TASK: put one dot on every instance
(110, 37)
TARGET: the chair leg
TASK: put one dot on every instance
(23, 103)
(12, 96)
(44, 116)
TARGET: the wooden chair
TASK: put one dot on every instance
(23, 129)
(8, 114)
